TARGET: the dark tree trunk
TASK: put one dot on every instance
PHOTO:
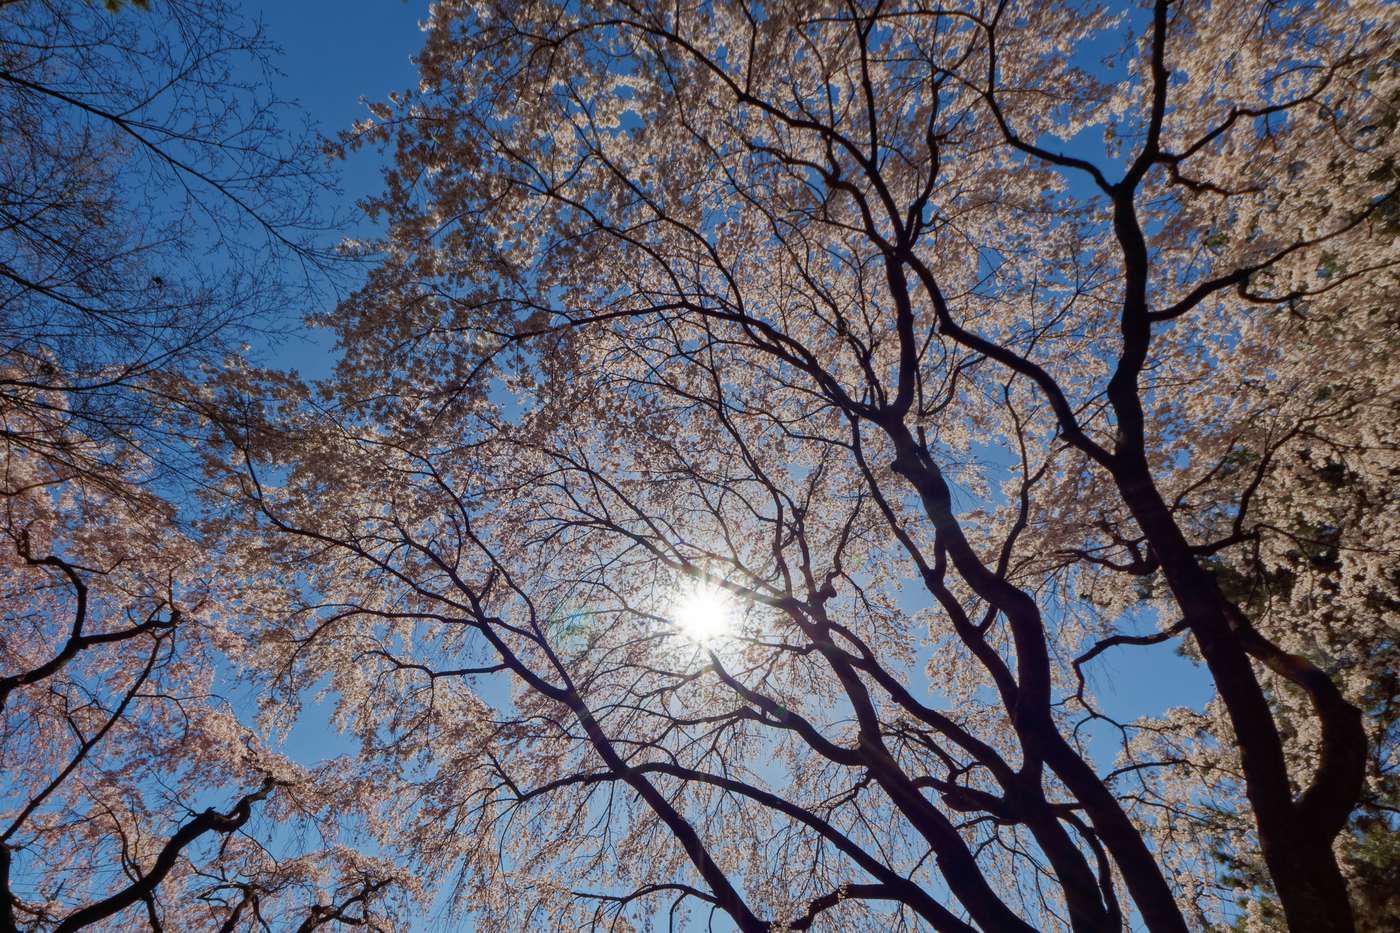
(1295, 837)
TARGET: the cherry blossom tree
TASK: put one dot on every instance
(764, 418)
(144, 196)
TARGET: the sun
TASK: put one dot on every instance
(704, 613)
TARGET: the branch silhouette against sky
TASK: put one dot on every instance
(833, 466)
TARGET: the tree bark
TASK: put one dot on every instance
(1295, 837)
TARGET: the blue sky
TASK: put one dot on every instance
(336, 55)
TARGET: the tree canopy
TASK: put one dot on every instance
(145, 192)
(756, 428)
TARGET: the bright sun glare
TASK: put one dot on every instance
(704, 613)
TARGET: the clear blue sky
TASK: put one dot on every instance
(336, 55)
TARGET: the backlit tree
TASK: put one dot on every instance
(150, 193)
(764, 417)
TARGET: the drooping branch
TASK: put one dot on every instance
(208, 821)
